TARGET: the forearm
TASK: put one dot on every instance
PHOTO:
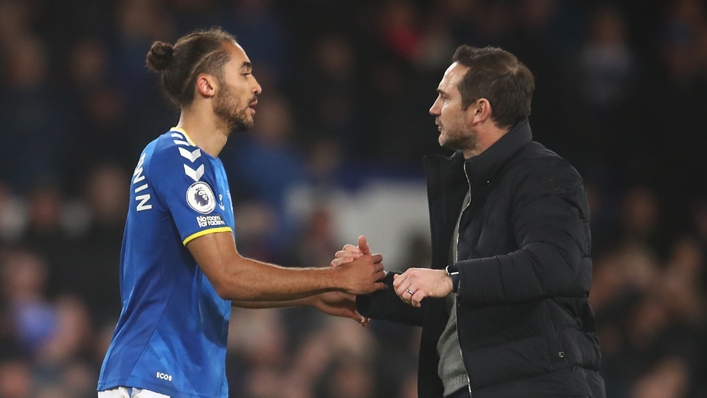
(237, 278)
(303, 302)
(254, 281)
(536, 271)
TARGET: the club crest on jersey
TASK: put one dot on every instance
(201, 198)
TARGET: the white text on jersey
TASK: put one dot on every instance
(139, 177)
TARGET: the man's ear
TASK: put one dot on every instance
(206, 85)
(480, 110)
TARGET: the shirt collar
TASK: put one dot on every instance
(482, 167)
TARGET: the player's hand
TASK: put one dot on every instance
(363, 275)
(339, 304)
(417, 283)
(351, 252)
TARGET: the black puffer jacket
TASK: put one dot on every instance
(524, 323)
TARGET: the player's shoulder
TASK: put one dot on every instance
(174, 149)
(168, 145)
(175, 154)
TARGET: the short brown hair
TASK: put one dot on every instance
(498, 76)
(202, 51)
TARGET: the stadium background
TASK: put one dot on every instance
(336, 152)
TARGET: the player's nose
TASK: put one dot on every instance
(256, 89)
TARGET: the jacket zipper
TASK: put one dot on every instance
(463, 210)
(468, 378)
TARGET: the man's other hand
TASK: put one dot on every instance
(417, 283)
(339, 304)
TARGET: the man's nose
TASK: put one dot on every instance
(434, 110)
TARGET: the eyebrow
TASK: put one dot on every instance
(247, 66)
(441, 91)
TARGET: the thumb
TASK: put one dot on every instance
(363, 245)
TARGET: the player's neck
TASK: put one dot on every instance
(205, 130)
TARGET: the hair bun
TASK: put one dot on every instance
(160, 57)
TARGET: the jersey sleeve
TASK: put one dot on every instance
(186, 184)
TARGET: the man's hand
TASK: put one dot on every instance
(417, 283)
(363, 275)
(351, 252)
(339, 304)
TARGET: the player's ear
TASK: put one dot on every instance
(206, 85)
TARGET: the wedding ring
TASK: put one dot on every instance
(410, 291)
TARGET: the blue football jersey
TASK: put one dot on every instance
(172, 332)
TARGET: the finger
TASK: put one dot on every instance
(363, 245)
(346, 253)
(398, 279)
(340, 261)
(378, 254)
(380, 286)
(416, 299)
(377, 258)
(380, 275)
(342, 253)
(355, 316)
(402, 290)
(378, 267)
(402, 294)
(351, 248)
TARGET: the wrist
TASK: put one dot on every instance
(453, 274)
(337, 281)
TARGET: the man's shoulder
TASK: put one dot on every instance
(535, 159)
(535, 165)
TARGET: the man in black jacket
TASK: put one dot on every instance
(504, 307)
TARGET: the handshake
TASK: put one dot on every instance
(412, 286)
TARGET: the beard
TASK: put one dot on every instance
(459, 140)
(227, 107)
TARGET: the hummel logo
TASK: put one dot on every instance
(192, 156)
(194, 174)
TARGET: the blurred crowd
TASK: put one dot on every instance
(621, 93)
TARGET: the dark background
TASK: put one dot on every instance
(621, 93)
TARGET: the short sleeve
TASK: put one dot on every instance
(186, 184)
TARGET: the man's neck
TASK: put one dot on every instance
(487, 137)
(205, 130)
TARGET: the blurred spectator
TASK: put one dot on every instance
(46, 234)
(32, 316)
(258, 27)
(347, 88)
(12, 215)
(264, 165)
(668, 379)
(606, 62)
(35, 123)
(15, 379)
(313, 247)
(399, 28)
(93, 275)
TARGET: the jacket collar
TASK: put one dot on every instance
(483, 167)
